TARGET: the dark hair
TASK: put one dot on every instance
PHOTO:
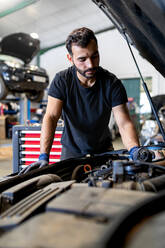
(81, 37)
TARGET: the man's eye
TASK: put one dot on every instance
(82, 59)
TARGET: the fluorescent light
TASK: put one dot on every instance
(34, 35)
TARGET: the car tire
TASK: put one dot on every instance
(3, 89)
(35, 97)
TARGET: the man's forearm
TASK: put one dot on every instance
(47, 134)
(129, 136)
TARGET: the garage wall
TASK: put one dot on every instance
(54, 61)
(114, 55)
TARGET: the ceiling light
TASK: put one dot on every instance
(34, 35)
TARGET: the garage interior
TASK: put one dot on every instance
(107, 207)
(48, 21)
(51, 21)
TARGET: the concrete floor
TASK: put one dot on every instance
(6, 155)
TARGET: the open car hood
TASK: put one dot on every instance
(20, 45)
(143, 21)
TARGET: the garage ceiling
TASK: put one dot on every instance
(52, 20)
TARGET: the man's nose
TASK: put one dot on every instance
(89, 63)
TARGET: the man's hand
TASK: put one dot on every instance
(141, 154)
(42, 161)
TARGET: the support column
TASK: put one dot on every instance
(23, 103)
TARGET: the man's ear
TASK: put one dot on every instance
(69, 57)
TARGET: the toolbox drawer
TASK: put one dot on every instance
(26, 146)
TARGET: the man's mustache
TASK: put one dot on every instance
(91, 69)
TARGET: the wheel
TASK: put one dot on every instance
(36, 96)
(3, 89)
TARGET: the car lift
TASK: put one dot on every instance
(24, 104)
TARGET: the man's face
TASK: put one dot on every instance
(86, 60)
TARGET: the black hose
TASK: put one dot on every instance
(160, 167)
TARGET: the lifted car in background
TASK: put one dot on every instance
(16, 75)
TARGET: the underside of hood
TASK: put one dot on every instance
(20, 45)
(144, 22)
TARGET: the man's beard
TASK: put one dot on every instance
(83, 73)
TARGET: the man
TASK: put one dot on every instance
(85, 94)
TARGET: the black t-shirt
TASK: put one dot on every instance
(86, 111)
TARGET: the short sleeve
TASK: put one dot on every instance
(57, 88)
(118, 93)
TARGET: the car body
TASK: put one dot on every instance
(16, 74)
(143, 24)
(96, 201)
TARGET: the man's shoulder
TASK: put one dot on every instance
(103, 73)
(67, 73)
(61, 83)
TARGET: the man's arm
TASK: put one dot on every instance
(126, 127)
(53, 113)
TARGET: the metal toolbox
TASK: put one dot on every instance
(26, 146)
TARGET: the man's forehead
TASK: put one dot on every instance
(90, 48)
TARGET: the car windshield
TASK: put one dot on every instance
(11, 61)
